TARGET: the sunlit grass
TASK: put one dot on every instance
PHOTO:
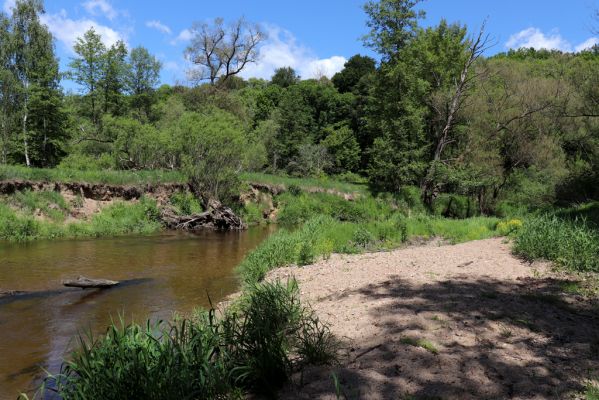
(103, 176)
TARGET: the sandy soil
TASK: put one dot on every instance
(495, 327)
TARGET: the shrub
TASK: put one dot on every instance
(362, 238)
(509, 228)
(294, 190)
(185, 203)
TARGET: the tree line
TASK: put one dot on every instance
(433, 113)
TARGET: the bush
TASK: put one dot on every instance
(185, 203)
(571, 244)
(509, 228)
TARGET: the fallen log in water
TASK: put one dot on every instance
(218, 217)
(87, 283)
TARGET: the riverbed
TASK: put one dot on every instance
(162, 274)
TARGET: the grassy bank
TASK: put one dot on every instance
(252, 347)
(118, 219)
(324, 224)
(96, 176)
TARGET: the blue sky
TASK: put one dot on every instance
(314, 37)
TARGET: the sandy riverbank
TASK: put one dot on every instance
(467, 321)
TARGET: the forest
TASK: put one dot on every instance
(517, 129)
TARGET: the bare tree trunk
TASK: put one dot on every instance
(25, 143)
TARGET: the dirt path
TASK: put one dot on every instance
(468, 321)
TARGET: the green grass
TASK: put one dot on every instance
(253, 346)
(118, 219)
(422, 343)
(102, 177)
(305, 183)
(570, 244)
(48, 202)
(592, 391)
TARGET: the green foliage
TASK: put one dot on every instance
(185, 203)
(299, 208)
(285, 77)
(249, 347)
(356, 68)
(455, 206)
(84, 162)
(571, 244)
(343, 147)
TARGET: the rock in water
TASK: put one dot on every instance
(87, 283)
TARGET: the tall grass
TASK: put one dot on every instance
(49, 202)
(95, 176)
(572, 244)
(305, 183)
(120, 218)
(253, 346)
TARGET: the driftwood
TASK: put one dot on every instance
(87, 283)
(218, 217)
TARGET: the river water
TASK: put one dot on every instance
(163, 274)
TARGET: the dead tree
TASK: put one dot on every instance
(220, 51)
(443, 138)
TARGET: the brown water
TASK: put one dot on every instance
(167, 273)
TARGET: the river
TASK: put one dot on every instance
(164, 274)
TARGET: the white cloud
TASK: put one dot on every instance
(587, 44)
(96, 7)
(535, 38)
(155, 24)
(8, 6)
(282, 50)
(184, 36)
(67, 30)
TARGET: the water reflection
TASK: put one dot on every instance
(167, 273)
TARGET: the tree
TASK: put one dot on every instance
(36, 69)
(392, 24)
(113, 78)
(87, 68)
(343, 148)
(143, 75)
(220, 51)
(144, 71)
(9, 87)
(285, 77)
(354, 69)
(447, 107)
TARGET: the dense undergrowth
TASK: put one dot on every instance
(252, 346)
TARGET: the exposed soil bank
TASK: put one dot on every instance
(468, 321)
